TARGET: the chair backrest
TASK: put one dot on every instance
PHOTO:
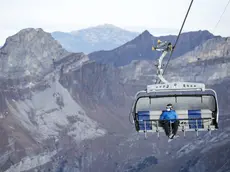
(179, 103)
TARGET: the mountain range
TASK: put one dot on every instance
(64, 111)
(101, 37)
(140, 48)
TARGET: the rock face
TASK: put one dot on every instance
(140, 48)
(38, 116)
(207, 63)
(29, 53)
(101, 92)
(102, 37)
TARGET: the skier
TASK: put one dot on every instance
(169, 119)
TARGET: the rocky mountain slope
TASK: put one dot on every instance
(140, 48)
(37, 112)
(102, 37)
(29, 53)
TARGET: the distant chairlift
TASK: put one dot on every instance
(196, 106)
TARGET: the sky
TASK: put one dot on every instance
(134, 15)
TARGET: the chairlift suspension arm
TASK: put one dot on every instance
(165, 48)
(160, 69)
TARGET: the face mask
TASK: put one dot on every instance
(168, 109)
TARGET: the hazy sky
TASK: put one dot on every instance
(68, 15)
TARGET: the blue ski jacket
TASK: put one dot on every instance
(169, 115)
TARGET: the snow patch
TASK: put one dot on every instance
(186, 149)
(52, 110)
(205, 144)
(11, 127)
(5, 156)
(28, 163)
(81, 131)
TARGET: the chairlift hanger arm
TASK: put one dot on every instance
(165, 48)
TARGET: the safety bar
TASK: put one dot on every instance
(176, 119)
(183, 127)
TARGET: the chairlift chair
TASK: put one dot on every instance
(196, 105)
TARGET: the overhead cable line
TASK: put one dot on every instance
(221, 16)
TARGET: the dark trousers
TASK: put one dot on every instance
(167, 127)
